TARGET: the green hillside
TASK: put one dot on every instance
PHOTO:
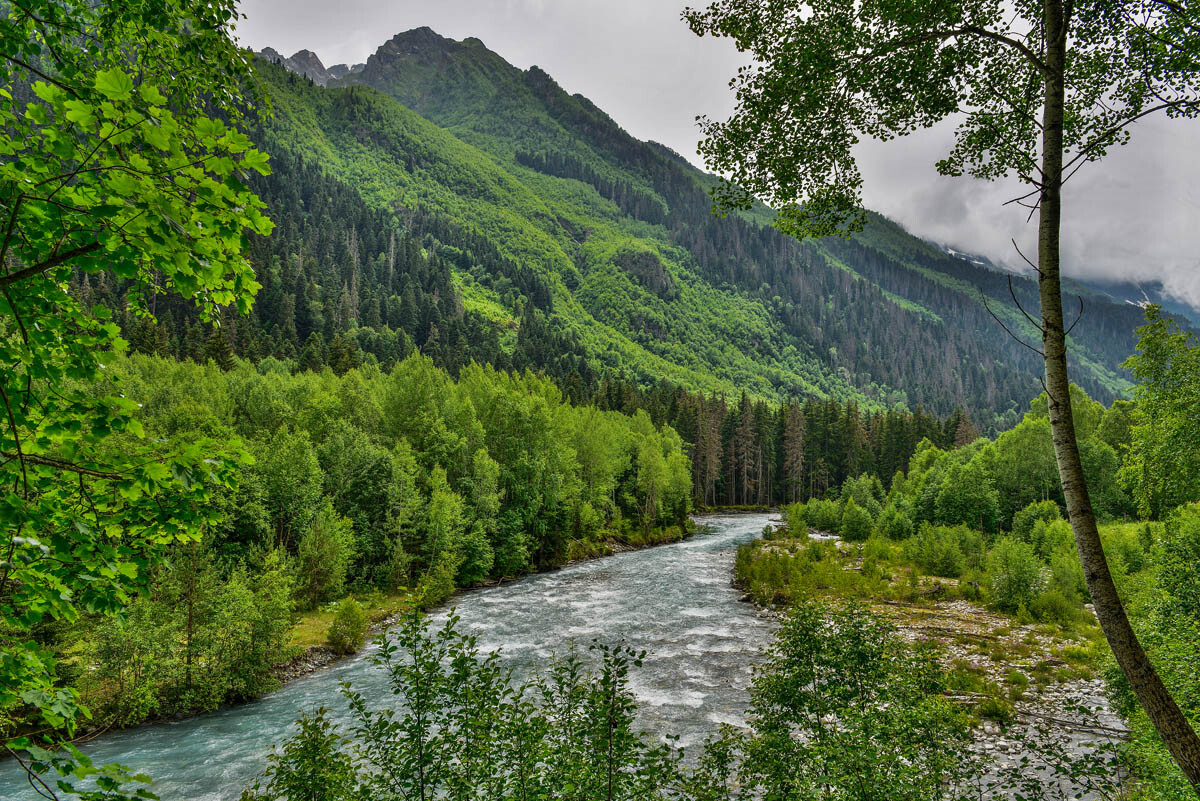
(643, 281)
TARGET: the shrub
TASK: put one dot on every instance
(312, 766)
(895, 732)
(856, 523)
(878, 549)
(1024, 520)
(994, 708)
(349, 627)
(1125, 546)
(936, 551)
(895, 524)
(1066, 576)
(797, 524)
(823, 515)
(945, 551)
(1051, 538)
(1014, 575)
(1051, 606)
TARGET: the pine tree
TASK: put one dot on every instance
(795, 429)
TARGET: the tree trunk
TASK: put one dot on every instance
(1181, 740)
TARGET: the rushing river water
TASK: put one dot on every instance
(675, 602)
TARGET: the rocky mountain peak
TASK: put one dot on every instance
(302, 62)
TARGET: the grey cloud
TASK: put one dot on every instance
(1135, 215)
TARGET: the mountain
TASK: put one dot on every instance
(1140, 293)
(441, 198)
(308, 64)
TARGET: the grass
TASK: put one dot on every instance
(311, 628)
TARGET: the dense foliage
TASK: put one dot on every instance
(978, 514)
(371, 482)
(116, 157)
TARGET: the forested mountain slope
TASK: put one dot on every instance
(561, 242)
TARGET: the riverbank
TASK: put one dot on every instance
(307, 652)
(1004, 669)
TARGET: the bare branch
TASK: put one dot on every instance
(60, 464)
(1013, 293)
(1078, 317)
(1036, 269)
(49, 264)
(1008, 330)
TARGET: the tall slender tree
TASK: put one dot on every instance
(1038, 89)
(794, 430)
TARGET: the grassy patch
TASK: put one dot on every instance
(311, 628)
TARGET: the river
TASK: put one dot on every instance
(675, 602)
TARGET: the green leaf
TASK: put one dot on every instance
(151, 95)
(114, 84)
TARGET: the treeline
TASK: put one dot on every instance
(752, 453)
(984, 484)
(988, 513)
(368, 482)
(637, 203)
(940, 366)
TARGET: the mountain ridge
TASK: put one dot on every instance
(642, 273)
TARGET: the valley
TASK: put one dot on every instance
(407, 428)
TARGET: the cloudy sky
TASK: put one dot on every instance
(1136, 216)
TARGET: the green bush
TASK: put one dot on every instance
(936, 551)
(1051, 538)
(995, 708)
(879, 549)
(823, 515)
(856, 523)
(349, 628)
(1066, 576)
(774, 575)
(1052, 606)
(1125, 547)
(313, 765)
(1024, 520)
(797, 524)
(945, 551)
(895, 524)
(1014, 575)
